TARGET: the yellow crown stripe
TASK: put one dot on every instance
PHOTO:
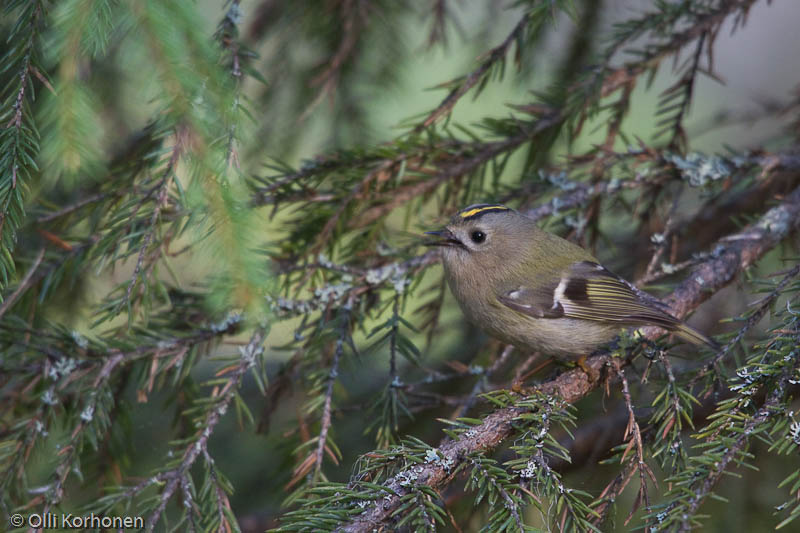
(473, 212)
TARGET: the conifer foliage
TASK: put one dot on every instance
(178, 289)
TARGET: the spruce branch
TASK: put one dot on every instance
(634, 436)
(734, 253)
(333, 373)
(675, 100)
(439, 17)
(228, 37)
(734, 425)
(611, 492)
(174, 477)
(739, 251)
(491, 432)
(764, 304)
(75, 206)
(191, 509)
(354, 16)
(160, 203)
(483, 471)
(70, 374)
(462, 166)
(19, 136)
(392, 398)
(494, 56)
(94, 418)
(223, 519)
(672, 410)
(703, 22)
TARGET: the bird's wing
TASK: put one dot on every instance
(588, 291)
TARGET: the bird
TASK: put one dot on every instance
(540, 292)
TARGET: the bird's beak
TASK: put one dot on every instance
(445, 238)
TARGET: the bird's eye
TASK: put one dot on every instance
(477, 236)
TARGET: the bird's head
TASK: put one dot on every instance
(482, 238)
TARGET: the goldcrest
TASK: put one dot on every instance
(539, 292)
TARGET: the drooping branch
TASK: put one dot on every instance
(222, 398)
(19, 137)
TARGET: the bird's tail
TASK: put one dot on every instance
(689, 334)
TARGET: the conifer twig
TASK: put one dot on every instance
(23, 284)
(325, 421)
(775, 398)
(764, 305)
(92, 198)
(19, 138)
(161, 201)
(480, 383)
(353, 14)
(175, 476)
(495, 55)
(612, 491)
(634, 434)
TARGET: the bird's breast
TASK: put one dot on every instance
(565, 338)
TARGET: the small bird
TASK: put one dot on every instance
(538, 291)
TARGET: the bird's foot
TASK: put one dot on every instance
(650, 348)
(591, 373)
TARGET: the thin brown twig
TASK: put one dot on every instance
(77, 205)
(438, 33)
(224, 396)
(662, 245)
(480, 385)
(325, 421)
(494, 55)
(353, 14)
(23, 284)
(161, 202)
(634, 435)
(612, 491)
